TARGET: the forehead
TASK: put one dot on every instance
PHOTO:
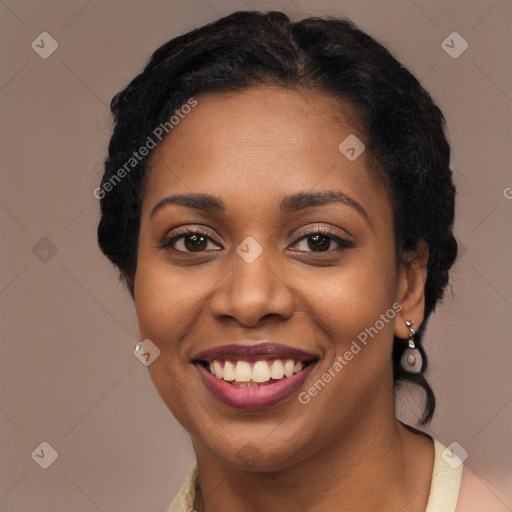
(261, 143)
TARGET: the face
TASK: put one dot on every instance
(261, 243)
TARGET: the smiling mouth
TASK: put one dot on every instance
(263, 372)
(250, 376)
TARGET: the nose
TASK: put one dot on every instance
(251, 292)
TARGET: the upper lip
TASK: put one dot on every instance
(253, 352)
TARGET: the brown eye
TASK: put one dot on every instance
(195, 242)
(191, 241)
(319, 243)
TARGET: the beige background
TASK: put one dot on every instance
(68, 373)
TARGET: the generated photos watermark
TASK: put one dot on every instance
(146, 351)
(137, 156)
(355, 347)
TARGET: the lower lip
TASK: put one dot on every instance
(255, 397)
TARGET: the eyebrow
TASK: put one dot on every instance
(289, 204)
(302, 200)
(204, 202)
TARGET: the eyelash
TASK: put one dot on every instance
(343, 242)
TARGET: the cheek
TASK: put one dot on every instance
(343, 300)
(355, 308)
(351, 298)
(165, 303)
(165, 296)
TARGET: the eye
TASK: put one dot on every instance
(190, 241)
(322, 240)
(197, 241)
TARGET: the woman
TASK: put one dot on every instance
(278, 199)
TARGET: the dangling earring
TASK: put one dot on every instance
(411, 358)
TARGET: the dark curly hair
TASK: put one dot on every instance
(407, 146)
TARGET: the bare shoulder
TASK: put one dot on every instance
(475, 495)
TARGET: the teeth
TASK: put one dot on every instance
(218, 369)
(241, 372)
(260, 371)
(277, 370)
(288, 367)
(228, 373)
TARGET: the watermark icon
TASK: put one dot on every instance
(137, 156)
(45, 455)
(351, 147)
(44, 45)
(249, 454)
(355, 347)
(44, 250)
(249, 249)
(507, 193)
(454, 455)
(454, 45)
(462, 248)
(146, 351)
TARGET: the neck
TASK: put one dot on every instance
(376, 466)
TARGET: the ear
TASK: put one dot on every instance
(412, 277)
